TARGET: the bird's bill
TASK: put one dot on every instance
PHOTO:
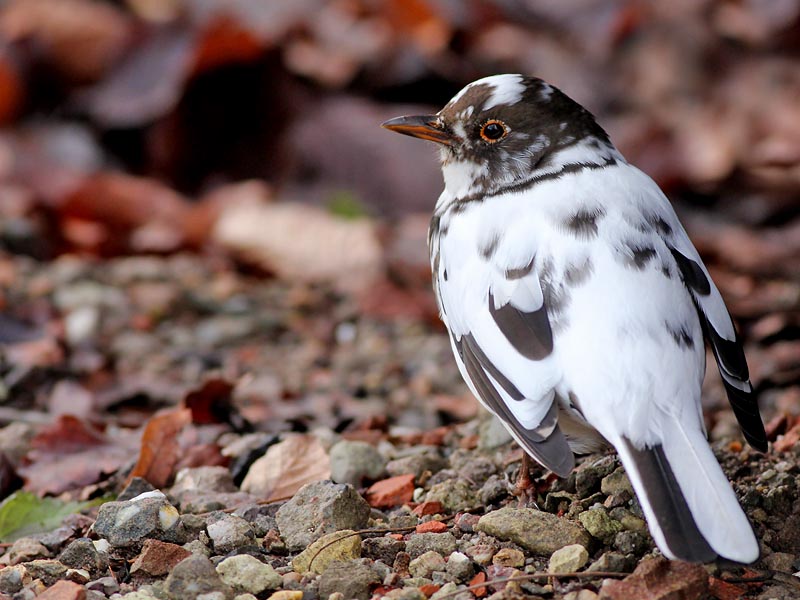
(425, 127)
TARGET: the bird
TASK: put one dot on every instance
(578, 308)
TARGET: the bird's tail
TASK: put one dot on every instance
(690, 506)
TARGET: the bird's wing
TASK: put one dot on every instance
(721, 334)
(503, 342)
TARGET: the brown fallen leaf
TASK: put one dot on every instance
(160, 450)
(286, 467)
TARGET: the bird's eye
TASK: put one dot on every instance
(493, 131)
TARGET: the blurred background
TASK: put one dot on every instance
(201, 186)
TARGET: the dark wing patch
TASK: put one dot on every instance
(692, 274)
(664, 495)
(528, 332)
(730, 359)
(546, 443)
(735, 376)
(583, 223)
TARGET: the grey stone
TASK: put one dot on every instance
(319, 508)
(384, 548)
(420, 543)
(82, 554)
(613, 562)
(245, 573)
(631, 542)
(194, 576)
(628, 520)
(780, 561)
(417, 464)
(128, 524)
(536, 531)
(616, 482)
(105, 585)
(426, 564)
(494, 489)
(473, 467)
(206, 479)
(353, 579)
(11, 579)
(455, 495)
(568, 559)
(589, 475)
(600, 525)
(356, 462)
(49, 571)
(229, 533)
(459, 567)
(481, 553)
(26, 549)
(493, 434)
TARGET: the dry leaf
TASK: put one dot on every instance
(286, 467)
(160, 451)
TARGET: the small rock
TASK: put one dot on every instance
(631, 542)
(319, 508)
(493, 490)
(628, 520)
(424, 509)
(780, 561)
(12, 579)
(245, 573)
(455, 495)
(206, 479)
(659, 579)
(473, 467)
(391, 492)
(128, 524)
(482, 553)
(509, 557)
(49, 571)
(158, 558)
(492, 434)
(384, 548)
(105, 585)
(64, 590)
(194, 576)
(417, 464)
(25, 550)
(338, 546)
(613, 562)
(353, 579)
(536, 531)
(229, 533)
(425, 564)
(459, 567)
(431, 527)
(581, 595)
(600, 525)
(354, 462)
(568, 559)
(287, 595)
(589, 475)
(82, 554)
(616, 482)
(420, 543)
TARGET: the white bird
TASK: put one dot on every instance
(577, 306)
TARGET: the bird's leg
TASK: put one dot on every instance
(524, 488)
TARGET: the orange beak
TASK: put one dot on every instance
(425, 127)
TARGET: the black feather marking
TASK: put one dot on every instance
(528, 332)
(692, 274)
(664, 495)
(551, 450)
(583, 224)
(488, 250)
(681, 335)
(639, 256)
(735, 376)
(514, 274)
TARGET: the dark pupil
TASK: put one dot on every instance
(493, 131)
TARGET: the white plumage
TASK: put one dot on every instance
(577, 305)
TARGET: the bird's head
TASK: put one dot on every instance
(499, 130)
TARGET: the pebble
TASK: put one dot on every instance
(229, 533)
(459, 567)
(354, 462)
(536, 531)
(455, 495)
(616, 482)
(11, 579)
(338, 546)
(353, 579)
(49, 571)
(613, 562)
(509, 557)
(600, 525)
(245, 573)
(128, 524)
(287, 595)
(568, 559)
(194, 576)
(420, 543)
(383, 548)
(426, 564)
(205, 479)
(64, 590)
(82, 554)
(482, 553)
(417, 464)
(319, 508)
(631, 542)
(26, 549)
(394, 491)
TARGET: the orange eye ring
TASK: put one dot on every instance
(493, 131)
